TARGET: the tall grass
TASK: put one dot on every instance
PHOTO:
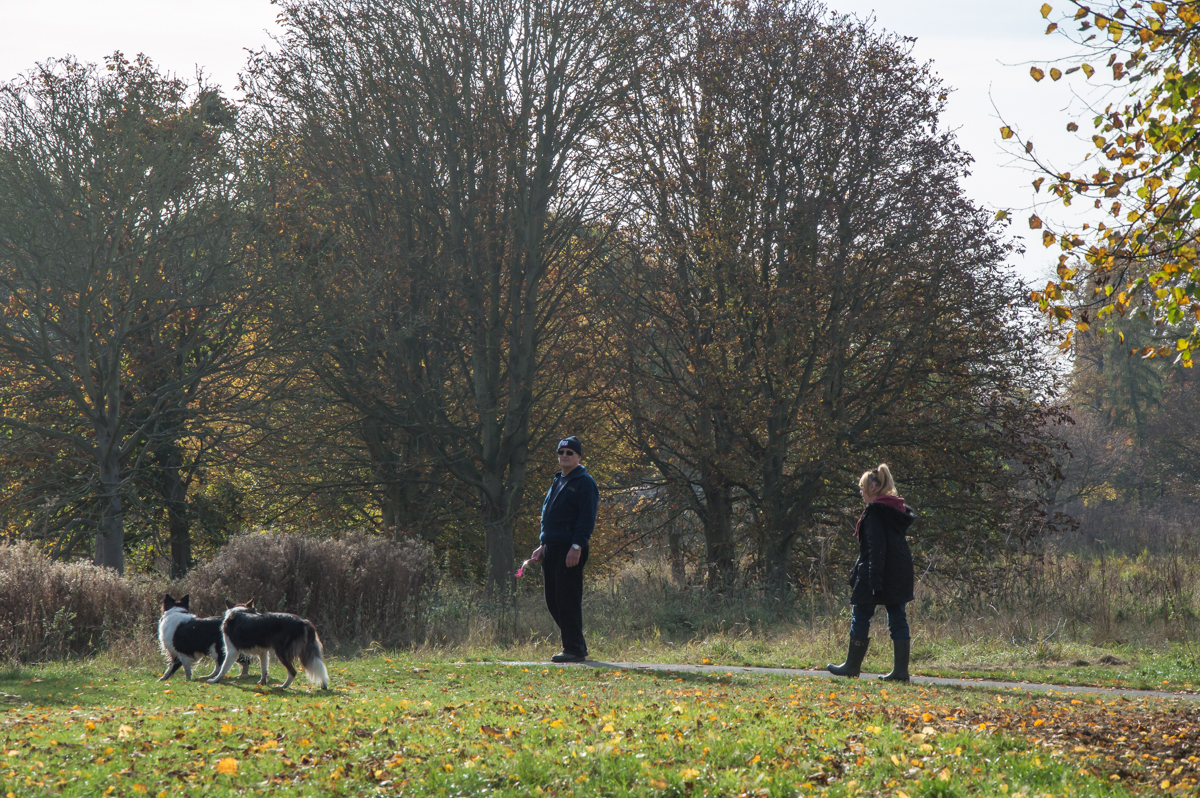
(55, 610)
(359, 591)
(1114, 589)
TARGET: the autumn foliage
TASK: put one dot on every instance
(725, 243)
(1141, 174)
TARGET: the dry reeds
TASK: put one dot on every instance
(357, 590)
(53, 610)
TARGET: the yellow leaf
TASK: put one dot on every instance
(1046, 9)
(1035, 223)
(1087, 69)
(1055, 73)
(1037, 184)
(554, 724)
(1048, 238)
(139, 788)
(689, 774)
(608, 727)
(226, 728)
(1053, 26)
(658, 784)
(1006, 132)
(1001, 215)
(227, 766)
(124, 732)
(944, 775)
(1036, 73)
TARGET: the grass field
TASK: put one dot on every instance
(404, 725)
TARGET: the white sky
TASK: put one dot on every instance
(982, 49)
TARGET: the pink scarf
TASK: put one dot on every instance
(895, 502)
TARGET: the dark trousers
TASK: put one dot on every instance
(860, 621)
(564, 595)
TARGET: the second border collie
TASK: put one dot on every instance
(287, 636)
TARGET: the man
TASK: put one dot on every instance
(568, 518)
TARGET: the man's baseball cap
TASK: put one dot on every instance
(571, 443)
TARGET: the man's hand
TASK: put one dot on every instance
(573, 555)
(537, 554)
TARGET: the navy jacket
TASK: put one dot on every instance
(883, 573)
(571, 517)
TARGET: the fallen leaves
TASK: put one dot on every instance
(227, 766)
(1137, 741)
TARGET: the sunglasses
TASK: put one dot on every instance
(562, 452)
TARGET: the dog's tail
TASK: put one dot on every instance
(312, 657)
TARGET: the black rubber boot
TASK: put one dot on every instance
(854, 657)
(900, 652)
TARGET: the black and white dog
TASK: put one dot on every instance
(184, 638)
(287, 636)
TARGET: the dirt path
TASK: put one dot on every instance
(815, 674)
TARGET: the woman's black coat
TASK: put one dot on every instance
(883, 572)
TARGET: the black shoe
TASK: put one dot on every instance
(854, 657)
(900, 652)
(568, 657)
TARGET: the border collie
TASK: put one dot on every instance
(287, 636)
(184, 638)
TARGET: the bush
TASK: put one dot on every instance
(52, 610)
(357, 590)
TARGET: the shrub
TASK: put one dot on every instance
(51, 610)
(357, 590)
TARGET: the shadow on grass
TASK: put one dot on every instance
(24, 686)
(296, 692)
(43, 687)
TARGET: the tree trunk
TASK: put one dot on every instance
(718, 534)
(500, 581)
(675, 554)
(777, 558)
(174, 493)
(110, 538)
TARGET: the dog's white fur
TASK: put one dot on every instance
(167, 624)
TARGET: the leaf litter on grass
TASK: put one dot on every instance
(553, 731)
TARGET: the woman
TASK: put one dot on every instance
(882, 574)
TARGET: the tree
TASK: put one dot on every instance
(447, 157)
(123, 271)
(1140, 258)
(816, 294)
(1133, 440)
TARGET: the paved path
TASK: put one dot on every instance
(812, 674)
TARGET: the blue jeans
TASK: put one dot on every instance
(860, 621)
